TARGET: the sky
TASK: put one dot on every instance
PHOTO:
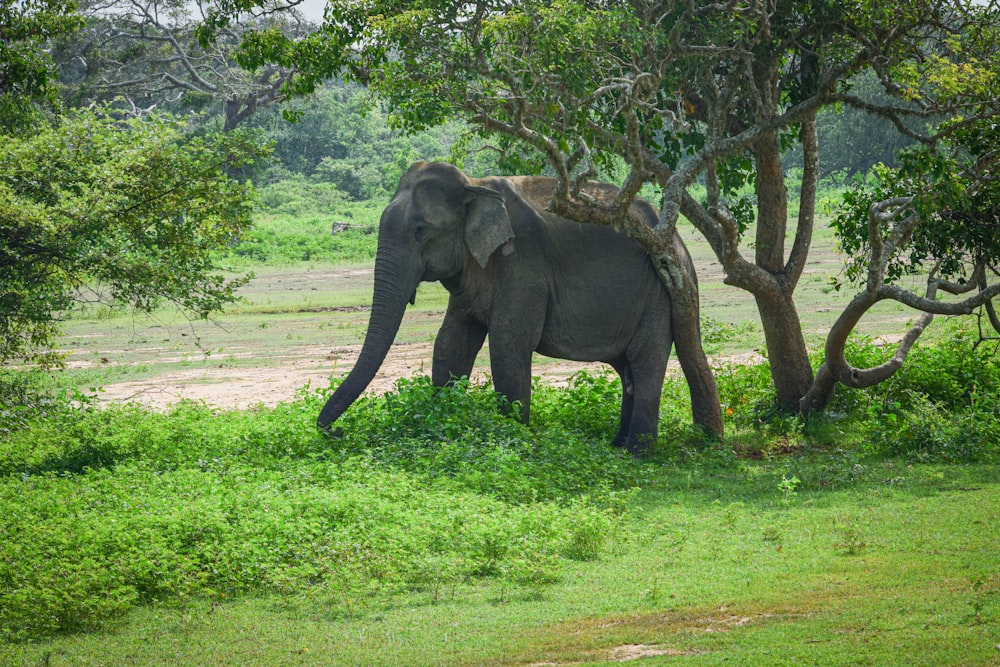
(313, 9)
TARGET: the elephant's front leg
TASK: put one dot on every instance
(512, 379)
(513, 339)
(456, 346)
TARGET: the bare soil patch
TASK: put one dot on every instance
(246, 387)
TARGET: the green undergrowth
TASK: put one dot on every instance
(102, 510)
(105, 511)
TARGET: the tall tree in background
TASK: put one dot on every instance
(853, 140)
(679, 91)
(145, 54)
(128, 209)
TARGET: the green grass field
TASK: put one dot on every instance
(883, 574)
(438, 532)
(245, 540)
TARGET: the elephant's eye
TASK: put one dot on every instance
(420, 232)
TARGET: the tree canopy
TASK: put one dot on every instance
(679, 93)
(124, 211)
(145, 55)
(26, 72)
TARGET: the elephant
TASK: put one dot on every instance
(531, 280)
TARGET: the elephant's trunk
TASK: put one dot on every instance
(389, 300)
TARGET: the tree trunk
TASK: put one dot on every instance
(791, 371)
(672, 260)
(706, 411)
(786, 348)
(772, 205)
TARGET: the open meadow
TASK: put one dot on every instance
(189, 513)
(303, 318)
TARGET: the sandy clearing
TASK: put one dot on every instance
(245, 387)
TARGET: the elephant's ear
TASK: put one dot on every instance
(487, 226)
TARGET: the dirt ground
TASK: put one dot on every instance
(269, 358)
(241, 388)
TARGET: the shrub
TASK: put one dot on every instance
(102, 510)
(23, 395)
(929, 432)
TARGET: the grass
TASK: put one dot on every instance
(438, 532)
(713, 568)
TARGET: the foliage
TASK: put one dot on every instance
(934, 409)
(954, 193)
(132, 210)
(282, 240)
(854, 140)
(144, 56)
(24, 396)
(934, 214)
(427, 430)
(122, 506)
(28, 74)
(298, 219)
(342, 137)
(296, 196)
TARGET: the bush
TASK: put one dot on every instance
(928, 432)
(296, 195)
(458, 434)
(102, 510)
(23, 396)
(295, 222)
(428, 490)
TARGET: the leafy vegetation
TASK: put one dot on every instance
(123, 506)
(431, 492)
(283, 238)
(134, 208)
(27, 80)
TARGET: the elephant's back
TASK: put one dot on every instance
(600, 284)
(537, 191)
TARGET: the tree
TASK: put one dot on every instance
(145, 54)
(342, 136)
(26, 73)
(906, 223)
(678, 92)
(129, 211)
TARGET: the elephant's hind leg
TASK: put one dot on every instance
(648, 370)
(624, 370)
